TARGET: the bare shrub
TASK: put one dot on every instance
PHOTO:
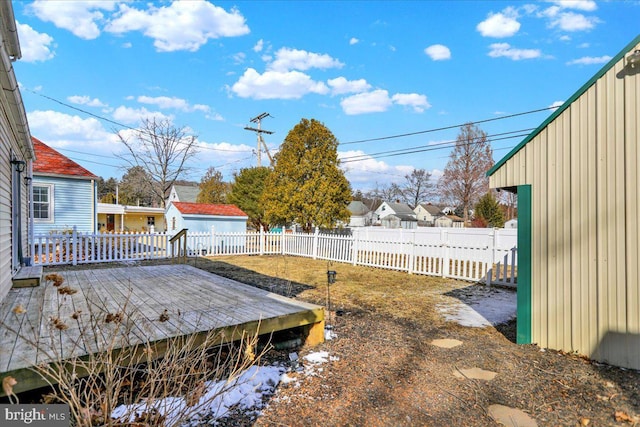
(132, 381)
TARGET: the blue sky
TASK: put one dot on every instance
(365, 69)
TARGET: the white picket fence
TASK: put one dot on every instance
(74, 247)
(487, 255)
(481, 255)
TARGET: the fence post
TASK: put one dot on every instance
(212, 240)
(354, 247)
(412, 253)
(315, 243)
(74, 245)
(282, 240)
(261, 240)
(444, 238)
(491, 255)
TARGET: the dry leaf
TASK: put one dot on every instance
(198, 391)
(59, 324)
(622, 416)
(66, 290)
(111, 317)
(584, 421)
(7, 385)
(76, 314)
(164, 316)
(19, 309)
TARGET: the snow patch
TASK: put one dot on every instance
(480, 306)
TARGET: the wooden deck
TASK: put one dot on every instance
(194, 300)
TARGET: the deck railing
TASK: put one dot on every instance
(74, 247)
(484, 255)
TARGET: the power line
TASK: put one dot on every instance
(433, 147)
(446, 127)
(113, 122)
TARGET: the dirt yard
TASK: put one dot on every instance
(388, 372)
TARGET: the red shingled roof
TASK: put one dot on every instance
(208, 209)
(49, 161)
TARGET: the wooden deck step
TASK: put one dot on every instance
(28, 277)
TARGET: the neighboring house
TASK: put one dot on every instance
(16, 153)
(120, 218)
(183, 193)
(449, 221)
(512, 223)
(398, 209)
(361, 215)
(399, 221)
(200, 217)
(405, 217)
(576, 178)
(64, 193)
(427, 214)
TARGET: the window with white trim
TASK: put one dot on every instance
(43, 202)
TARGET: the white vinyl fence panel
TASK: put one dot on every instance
(486, 255)
(81, 248)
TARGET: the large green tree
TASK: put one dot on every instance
(307, 185)
(212, 188)
(246, 193)
(463, 181)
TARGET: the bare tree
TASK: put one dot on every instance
(417, 187)
(464, 181)
(162, 150)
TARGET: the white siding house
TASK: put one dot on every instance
(64, 193)
(16, 153)
(200, 217)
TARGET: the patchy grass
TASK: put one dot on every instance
(360, 289)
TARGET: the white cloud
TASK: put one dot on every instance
(58, 124)
(239, 57)
(216, 117)
(183, 25)
(502, 24)
(585, 5)
(276, 85)
(293, 59)
(565, 38)
(369, 171)
(341, 85)
(589, 60)
(353, 41)
(79, 17)
(570, 21)
(504, 49)
(583, 45)
(127, 45)
(258, 46)
(34, 46)
(556, 104)
(133, 116)
(418, 102)
(166, 102)
(438, 52)
(86, 100)
(376, 101)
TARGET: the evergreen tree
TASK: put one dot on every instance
(246, 192)
(307, 186)
(489, 211)
(212, 188)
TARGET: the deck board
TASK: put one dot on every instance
(196, 302)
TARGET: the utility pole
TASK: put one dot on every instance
(259, 131)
